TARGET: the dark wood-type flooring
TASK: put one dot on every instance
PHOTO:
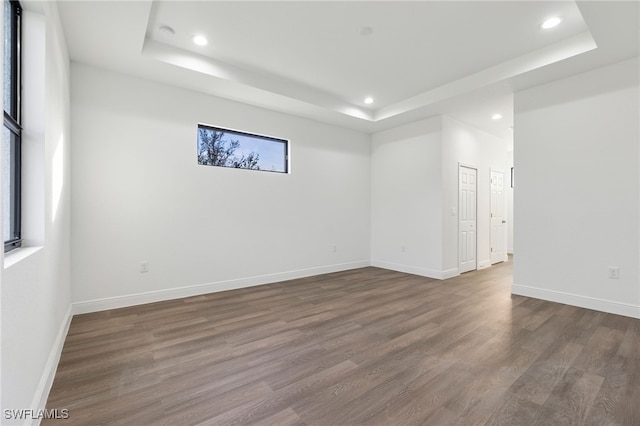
(367, 346)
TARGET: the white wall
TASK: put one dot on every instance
(473, 147)
(577, 161)
(406, 198)
(36, 297)
(414, 187)
(139, 194)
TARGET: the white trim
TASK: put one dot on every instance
(484, 264)
(414, 270)
(467, 166)
(504, 207)
(46, 380)
(19, 254)
(115, 302)
(450, 273)
(587, 302)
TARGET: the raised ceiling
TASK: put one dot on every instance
(321, 59)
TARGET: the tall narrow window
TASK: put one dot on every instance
(12, 131)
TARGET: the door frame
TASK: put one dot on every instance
(468, 166)
(504, 218)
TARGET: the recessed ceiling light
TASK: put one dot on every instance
(366, 31)
(368, 100)
(551, 22)
(165, 29)
(200, 40)
(496, 116)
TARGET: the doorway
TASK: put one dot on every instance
(467, 207)
(498, 218)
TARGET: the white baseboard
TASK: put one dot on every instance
(450, 273)
(195, 290)
(415, 270)
(49, 372)
(596, 304)
(483, 264)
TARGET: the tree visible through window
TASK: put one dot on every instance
(12, 131)
(240, 150)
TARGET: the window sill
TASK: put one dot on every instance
(18, 255)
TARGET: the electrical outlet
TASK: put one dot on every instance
(335, 248)
(144, 266)
(403, 249)
(614, 273)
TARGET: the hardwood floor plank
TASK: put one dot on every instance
(356, 384)
(517, 411)
(286, 417)
(365, 346)
(262, 408)
(537, 383)
(617, 400)
(571, 400)
(600, 354)
(196, 407)
(630, 346)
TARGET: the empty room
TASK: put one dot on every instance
(320, 213)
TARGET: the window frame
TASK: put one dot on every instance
(12, 122)
(285, 142)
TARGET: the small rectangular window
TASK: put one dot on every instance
(12, 130)
(241, 150)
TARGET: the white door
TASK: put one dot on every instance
(467, 216)
(498, 218)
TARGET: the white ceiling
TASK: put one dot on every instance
(422, 58)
